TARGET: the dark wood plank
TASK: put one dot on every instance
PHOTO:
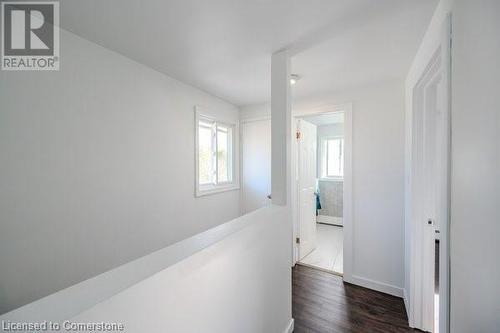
(323, 303)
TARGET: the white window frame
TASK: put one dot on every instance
(217, 187)
(323, 162)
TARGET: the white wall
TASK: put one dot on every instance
(240, 284)
(475, 121)
(257, 111)
(475, 217)
(378, 176)
(232, 278)
(255, 155)
(330, 130)
(96, 169)
(255, 164)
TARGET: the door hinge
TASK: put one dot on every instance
(297, 135)
(297, 240)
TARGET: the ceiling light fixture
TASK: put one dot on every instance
(294, 78)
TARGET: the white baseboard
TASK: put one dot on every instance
(289, 328)
(329, 220)
(407, 308)
(375, 285)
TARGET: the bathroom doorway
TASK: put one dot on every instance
(320, 164)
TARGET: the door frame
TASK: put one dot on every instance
(439, 62)
(347, 187)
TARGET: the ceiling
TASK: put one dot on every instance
(375, 48)
(224, 46)
(326, 119)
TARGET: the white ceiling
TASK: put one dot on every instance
(224, 46)
(326, 119)
(374, 48)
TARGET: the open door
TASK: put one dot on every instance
(306, 140)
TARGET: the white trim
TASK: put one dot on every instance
(406, 302)
(444, 236)
(430, 42)
(216, 189)
(348, 198)
(325, 109)
(374, 285)
(437, 58)
(419, 254)
(294, 189)
(290, 326)
(347, 214)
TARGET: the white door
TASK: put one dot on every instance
(256, 164)
(306, 186)
(430, 191)
(430, 197)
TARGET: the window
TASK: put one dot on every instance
(332, 153)
(215, 156)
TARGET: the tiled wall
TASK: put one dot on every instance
(331, 196)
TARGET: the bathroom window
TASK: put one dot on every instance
(332, 156)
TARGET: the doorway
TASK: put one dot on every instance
(320, 162)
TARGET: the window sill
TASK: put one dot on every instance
(216, 189)
(331, 179)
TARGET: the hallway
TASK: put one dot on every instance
(322, 303)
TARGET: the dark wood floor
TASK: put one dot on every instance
(323, 303)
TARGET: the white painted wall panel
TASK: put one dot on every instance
(235, 277)
(96, 169)
(474, 227)
(475, 216)
(256, 164)
(378, 178)
(241, 284)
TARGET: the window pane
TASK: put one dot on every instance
(223, 154)
(341, 166)
(335, 161)
(205, 157)
(323, 159)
